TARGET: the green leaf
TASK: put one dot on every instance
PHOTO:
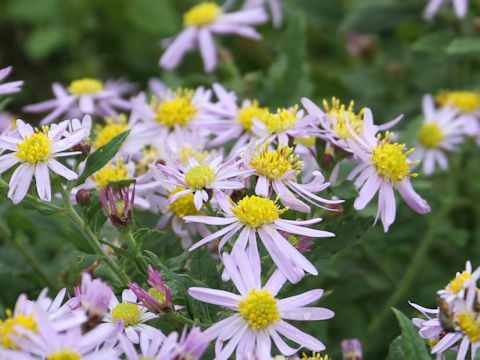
(154, 16)
(43, 41)
(395, 350)
(434, 43)
(177, 263)
(413, 345)
(102, 156)
(464, 46)
(204, 268)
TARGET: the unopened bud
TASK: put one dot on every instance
(327, 160)
(476, 23)
(83, 197)
(396, 69)
(83, 148)
(335, 210)
(352, 349)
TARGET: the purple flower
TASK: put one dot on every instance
(274, 5)
(460, 6)
(352, 349)
(158, 299)
(204, 20)
(118, 204)
(10, 87)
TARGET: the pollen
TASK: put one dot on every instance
(85, 86)
(110, 130)
(256, 211)
(157, 295)
(184, 205)
(188, 151)
(259, 308)
(65, 355)
(177, 111)
(36, 147)
(8, 325)
(128, 312)
(391, 161)
(275, 164)
(110, 173)
(317, 356)
(457, 284)
(469, 325)
(202, 14)
(309, 141)
(338, 114)
(199, 177)
(249, 112)
(430, 135)
(283, 119)
(467, 101)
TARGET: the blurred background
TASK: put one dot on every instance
(380, 53)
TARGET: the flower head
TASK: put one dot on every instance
(118, 204)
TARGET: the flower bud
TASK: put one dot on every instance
(476, 23)
(352, 349)
(84, 148)
(118, 205)
(327, 160)
(83, 197)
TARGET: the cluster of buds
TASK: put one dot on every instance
(118, 204)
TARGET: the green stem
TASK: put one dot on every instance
(91, 238)
(132, 244)
(184, 320)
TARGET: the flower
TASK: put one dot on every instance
(259, 316)
(133, 317)
(201, 22)
(10, 87)
(118, 204)
(158, 298)
(460, 6)
(352, 349)
(83, 96)
(254, 215)
(462, 281)
(198, 177)
(274, 5)
(382, 167)
(442, 130)
(280, 168)
(36, 151)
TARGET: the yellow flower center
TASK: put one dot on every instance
(256, 211)
(259, 308)
(430, 135)
(457, 284)
(177, 111)
(202, 14)
(188, 151)
(467, 101)
(7, 328)
(199, 176)
(36, 147)
(250, 111)
(274, 164)
(110, 130)
(282, 120)
(110, 173)
(316, 356)
(65, 355)
(128, 312)
(391, 161)
(149, 155)
(469, 325)
(85, 86)
(184, 205)
(337, 114)
(432, 342)
(157, 295)
(310, 141)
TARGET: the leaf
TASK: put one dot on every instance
(434, 43)
(154, 16)
(101, 157)
(395, 350)
(204, 267)
(464, 46)
(413, 345)
(177, 263)
(43, 41)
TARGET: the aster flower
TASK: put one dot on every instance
(83, 96)
(279, 168)
(47, 342)
(132, 315)
(254, 215)
(274, 5)
(383, 166)
(118, 204)
(442, 130)
(462, 281)
(10, 87)
(198, 178)
(260, 316)
(158, 298)
(204, 20)
(352, 349)
(36, 151)
(433, 6)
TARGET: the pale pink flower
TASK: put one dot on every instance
(433, 6)
(256, 216)
(204, 20)
(274, 5)
(36, 151)
(260, 316)
(10, 87)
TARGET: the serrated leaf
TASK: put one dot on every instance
(464, 46)
(413, 345)
(99, 158)
(204, 267)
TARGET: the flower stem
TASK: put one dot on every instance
(132, 244)
(91, 238)
(184, 320)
